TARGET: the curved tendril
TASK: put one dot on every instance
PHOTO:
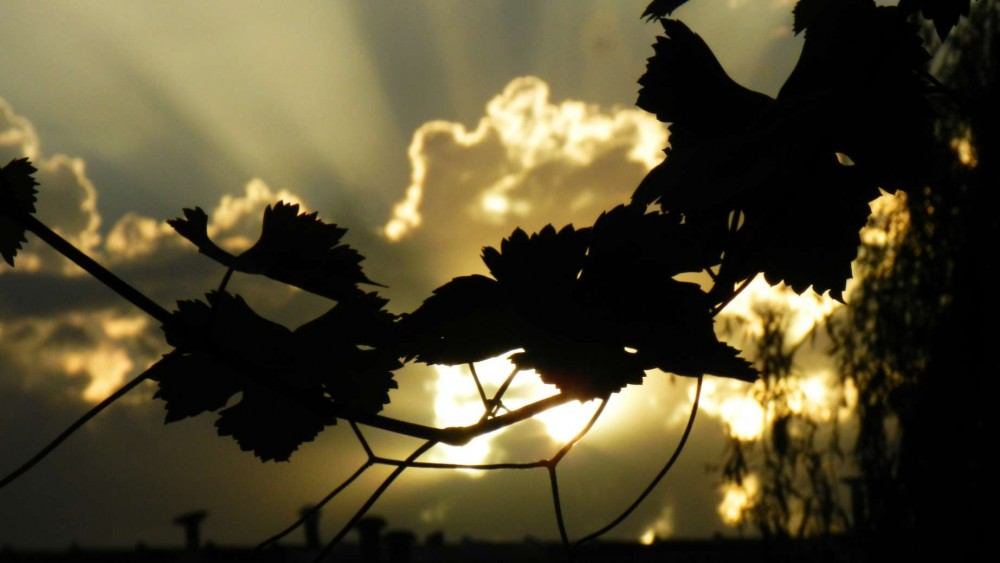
(73, 428)
(554, 485)
(579, 435)
(312, 511)
(371, 500)
(554, 478)
(659, 476)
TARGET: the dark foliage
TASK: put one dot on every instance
(17, 192)
(295, 248)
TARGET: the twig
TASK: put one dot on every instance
(718, 309)
(554, 478)
(479, 386)
(307, 515)
(362, 440)
(579, 435)
(554, 484)
(495, 403)
(659, 476)
(371, 500)
(73, 428)
(116, 284)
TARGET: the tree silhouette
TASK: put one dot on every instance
(911, 343)
(751, 185)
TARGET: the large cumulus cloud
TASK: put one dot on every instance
(528, 162)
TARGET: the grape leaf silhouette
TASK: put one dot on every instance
(291, 384)
(351, 353)
(861, 87)
(685, 85)
(295, 248)
(17, 192)
(588, 323)
(772, 163)
(661, 8)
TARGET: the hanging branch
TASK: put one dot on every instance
(371, 500)
(656, 480)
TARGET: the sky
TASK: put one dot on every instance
(429, 130)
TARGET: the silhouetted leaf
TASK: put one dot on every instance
(661, 9)
(292, 384)
(192, 384)
(465, 320)
(804, 237)
(587, 323)
(858, 90)
(17, 192)
(685, 85)
(223, 348)
(272, 425)
(349, 352)
(295, 248)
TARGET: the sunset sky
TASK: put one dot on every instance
(428, 129)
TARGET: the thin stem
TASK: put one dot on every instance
(579, 435)
(116, 284)
(459, 435)
(495, 403)
(225, 280)
(73, 428)
(362, 440)
(371, 500)
(554, 485)
(305, 516)
(493, 466)
(732, 296)
(476, 467)
(659, 476)
(479, 386)
(554, 478)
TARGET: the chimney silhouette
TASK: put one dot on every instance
(370, 530)
(399, 544)
(191, 522)
(311, 526)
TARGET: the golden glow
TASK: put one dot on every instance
(737, 500)
(457, 403)
(744, 418)
(661, 528)
(733, 403)
(564, 422)
(106, 366)
(803, 311)
(888, 222)
(118, 328)
(966, 151)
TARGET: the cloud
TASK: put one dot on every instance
(528, 162)
(60, 329)
(67, 199)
